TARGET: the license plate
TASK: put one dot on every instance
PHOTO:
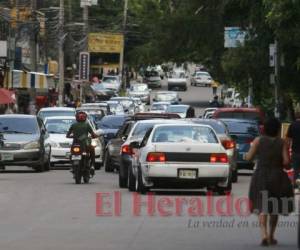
(76, 157)
(7, 157)
(187, 174)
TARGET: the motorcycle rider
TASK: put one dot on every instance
(80, 132)
(215, 103)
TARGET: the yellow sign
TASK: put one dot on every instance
(105, 43)
(284, 129)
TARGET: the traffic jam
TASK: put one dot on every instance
(151, 139)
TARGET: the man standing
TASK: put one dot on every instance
(293, 136)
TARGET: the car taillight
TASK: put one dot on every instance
(218, 158)
(156, 157)
(126, 149)
(228, 144)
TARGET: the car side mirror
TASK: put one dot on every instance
(124, 138)
(135, 144)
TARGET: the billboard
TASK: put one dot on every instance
(84, 66)
(106, 43)
(234, 37)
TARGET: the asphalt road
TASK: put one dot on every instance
(41, 211)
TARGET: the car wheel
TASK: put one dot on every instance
(107, 163)
(131, 180)
(139, 185)
(234, 176)
(47, 166)
(225, 190)
(122, 181)
(40, 168)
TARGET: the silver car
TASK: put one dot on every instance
(141, 91)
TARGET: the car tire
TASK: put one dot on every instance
(107, 163)
(225, 190)
(47, 166)
(139, 185)
(131, 180)
(234, 177)
(122, 181)
(40, 168)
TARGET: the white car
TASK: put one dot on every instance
(140, 90)
(111, 82)
(116, 108)
(57, 128)
(56, 111)
(159, 107)
(180, 155)
(181, 110)
(139, 105)
(201, 78)
(177, 80)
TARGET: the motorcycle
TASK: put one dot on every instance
(81, 164)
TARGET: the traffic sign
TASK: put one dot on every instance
(84, 66)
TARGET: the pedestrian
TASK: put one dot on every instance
(293, 138)
(214, 86)
(271, 193)
(190, 113)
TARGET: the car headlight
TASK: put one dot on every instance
(32, 145)
(95, 143)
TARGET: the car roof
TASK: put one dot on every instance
(120, 98)
(57, 109)
(60, 117)
(162, 121)
(139, 84)
(254, 110)
(149, 116)
(166, 92)
(161, 103)
(238, 120)
(17, 116)
(179, 105)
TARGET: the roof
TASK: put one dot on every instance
(165, 103)
(59, 117)
(149, 116)
(162, 121)
(238, 110)
(17, 116)
(238, 120)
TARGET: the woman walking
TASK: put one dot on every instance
(271, 193)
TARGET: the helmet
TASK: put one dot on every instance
(81, 116)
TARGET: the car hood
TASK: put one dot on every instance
(20, 138)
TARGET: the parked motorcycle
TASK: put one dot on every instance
(81, 164)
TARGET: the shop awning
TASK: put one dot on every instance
(7, 97)
(22, 79)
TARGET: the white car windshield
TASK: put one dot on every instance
(59, 126)
(44, 114)
(162, 107)
(138, 88)
(177, 109)
(179, 134)
(166, 97)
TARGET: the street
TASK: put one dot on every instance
(48, 211)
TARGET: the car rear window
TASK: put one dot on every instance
(44, 114)
(179, 134)
(242, 128)
(16, 125)
(218, 126)
(239, 115)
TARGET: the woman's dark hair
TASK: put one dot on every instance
(272, 127)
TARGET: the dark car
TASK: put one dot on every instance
(243, 132)
(113, 156)
(24, 143)
(110, 125)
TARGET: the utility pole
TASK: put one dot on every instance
(34, 39)
(70, 10)
(123, 47)
(61, 54)
(86, 26)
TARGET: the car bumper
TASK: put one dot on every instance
(21, 157)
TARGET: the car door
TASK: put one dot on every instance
(46, 148)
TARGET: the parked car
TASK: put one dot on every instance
(180, 156)
(201, 78)
(153, 79)
(181, 110)
(141, 91)
(56, 111)
(167, 96)
(57, 128)
(243, 132)
(24, 142)
(159, 107)
(110, 125)
(227, 141)
(177, 81)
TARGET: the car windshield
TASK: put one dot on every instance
(126, 103)
(138, 88)
(254, 116)
(179, 134)
(178, 75)
(44, 114)
(159, 107)
(242, 128)
(59, 126)
(99, 86)
(166, 97)
(111, 122)
(116, 107)
(14, 125)
(109, 79)
(202, 74)
(177, 109)
(95, 117)
(152, 73)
